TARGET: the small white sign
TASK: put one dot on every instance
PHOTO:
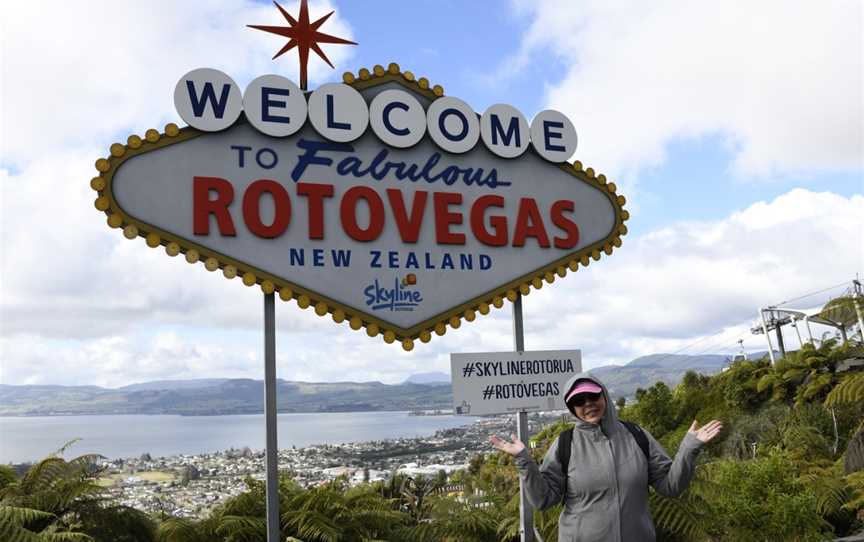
(502, 382)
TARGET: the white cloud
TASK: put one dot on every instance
(658, 293)
(79, 304)
(780, 80)
(690, 280)
(114, 360)
(76, 74)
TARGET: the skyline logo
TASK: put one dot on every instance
(399, 297)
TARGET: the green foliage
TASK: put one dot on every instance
(677, 518)
(655, 409)
(763, 498)
(752, 433)
(855, 482)
(849, 390)
(739, 385)
(7, 476)
(691, 394)
(58, 500)
(497, 476)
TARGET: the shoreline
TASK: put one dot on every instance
(121, 437)
(444, 412)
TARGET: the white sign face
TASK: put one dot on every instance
(381, 226)
(504, 382)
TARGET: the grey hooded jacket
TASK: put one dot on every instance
(607, 479)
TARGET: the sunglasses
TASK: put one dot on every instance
(582, 398)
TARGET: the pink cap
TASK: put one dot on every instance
(583, 386)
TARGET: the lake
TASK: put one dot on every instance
(32, 438)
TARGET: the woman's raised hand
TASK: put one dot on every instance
(513, 448)
(707, 431)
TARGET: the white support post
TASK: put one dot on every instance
(797, 332)
(857, 305)
(767, 337)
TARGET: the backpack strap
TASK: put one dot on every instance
(640, 437)
(565, 445)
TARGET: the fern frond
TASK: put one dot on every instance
(178, 530)
(21, 516)
(243, 528)
(10, 532)
(312, 525)
(855, 482)
(675, 516)
(849, 390)
(767, 381)
(66, 537)
(831, 492)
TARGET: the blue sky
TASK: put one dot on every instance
(742, 161)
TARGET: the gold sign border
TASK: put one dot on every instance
(155, 237)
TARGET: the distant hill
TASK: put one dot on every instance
(428, 378)
(643, 372)
(228, 396)
(245, 396)
(174, 384)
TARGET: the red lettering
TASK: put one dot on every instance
(444, 218)
(252, 208)
(529, 223)
(348, 213)
(316, 194)
(565, 223)
(203, 206)
(409, 226)
(498, 222)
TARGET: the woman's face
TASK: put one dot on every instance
(592, 409)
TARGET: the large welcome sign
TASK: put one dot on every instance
(378, 200)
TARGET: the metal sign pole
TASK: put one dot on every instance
(270, 416)
(526, 511)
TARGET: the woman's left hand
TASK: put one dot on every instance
(706, 432)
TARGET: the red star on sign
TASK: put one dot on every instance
(303, 35)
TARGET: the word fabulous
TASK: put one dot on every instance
(210, 100)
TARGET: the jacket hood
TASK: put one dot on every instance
(609, 423)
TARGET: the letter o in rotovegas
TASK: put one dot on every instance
(397, 118)
(553, 136)
(453, 125)
(274, 105)
(505, 131)
(338, 112)
(208, 99)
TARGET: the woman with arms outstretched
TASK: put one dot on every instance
(609, 466)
